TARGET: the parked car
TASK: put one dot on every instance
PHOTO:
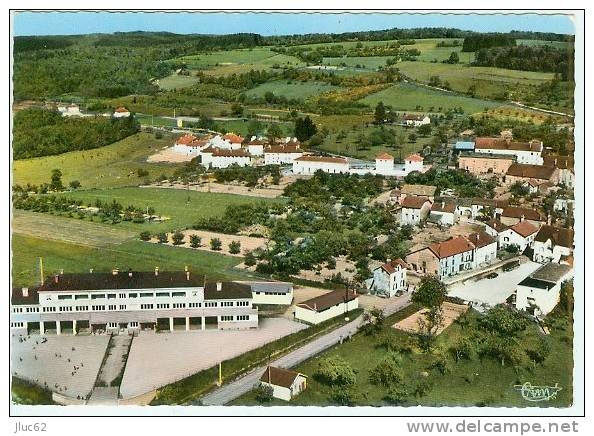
(492, 275)
(511, 265)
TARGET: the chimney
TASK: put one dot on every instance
(62, 271)
(130, 273)
(156, 271)
(25, 292)
(442, 205)
(549, 219)
(188, 275)
(388, 260)
(219, 286)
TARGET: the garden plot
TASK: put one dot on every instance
(451, 312)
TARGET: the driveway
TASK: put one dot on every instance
(492, 291)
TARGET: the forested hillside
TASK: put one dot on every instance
(39, 132)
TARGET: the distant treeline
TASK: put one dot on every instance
(27, 43)
(477, 42)
(40, 132)
(527, 58)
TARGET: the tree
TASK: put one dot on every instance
(387, 373)
(56, 181)
(145, 236)
(195, 241)
(453, 59)
(178, 238)
(380, 113)
(334, 371)
(234, 247)
(274, 132)
(431, 294)
(162, 238)
(304, 128)
(462, 349)
(215, 244)
(74, 184)
(141, 172)
(373, 321)
(503, 322)
(237, 109)
(540, 352)
(264, 393)
(250, 259)
(397, 395)
(424, 130)
(344, 396)
(412, 138)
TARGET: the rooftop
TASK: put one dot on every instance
(230, 153)
(284, 148)
(122, 280)
(443, 206)
(464, 145)
(522, 212)
(414, 202)
(503, 144)
(546, 276)
(524, 228)
(327, 159)
(384, 156)
(421, 190)
(390, 267)
(282, 287)
(228, 290)
(326, 301)
(415, 158)
(561, 162)
(557, 235)
(530, 171)
(233, 138)
(279, 376)
(496, 225)
(481, 239)
(17, 297)
(451, 247)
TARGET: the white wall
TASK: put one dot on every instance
(313, 317)
(546, 300)
(509, 237)
(261, 297)
(488, 253)
(545, 252)
(309, 167)
(389, 284)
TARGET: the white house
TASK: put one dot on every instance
(256, 147)
(551, 243)
(286, 384)
(566, 168)
(521, 235)
(525, 152)
(189, 144)
(384, 163)
(282, 154)
(485, 248)
(443, 213)
(72, 110)
(564, 205)
(414, 210)
(326, 306)
(414, 162)
(494, 227)
(443, 259)
(273, 293)
(219, 158)
(309, 164)
(539, 293)
(416, 120)
(121, 112)
(389, 278)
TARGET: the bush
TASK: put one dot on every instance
(387, 373)
(335, 371)
(75, 184)
(141, 172)
(343, 396)
(250, 259)
(234, 247)
(396, 395)
(422, 388)
(145, 236)
(195, 241)
(215, 244)
(178, 238)
(162, 238)
(264, 393)
(441, 364)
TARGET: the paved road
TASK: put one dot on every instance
(244, 384)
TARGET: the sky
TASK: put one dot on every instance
(72, 23)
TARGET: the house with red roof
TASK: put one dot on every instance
(309, 164)
(444, 212)
(121, 112)
(520, 234)
(414, 210)
(552, 244)
(525, 152)
(389, 278)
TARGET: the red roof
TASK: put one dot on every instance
(450, 247)
(496, 225)
(186, 139)
(540, 172)
(519, 212)
(443, 206)
(122, 109)
(481, 239)
(384, 156)
(329, 159)
(524, 228)
(390, 267)
(415, 158)
(502, 144)
(279, 376)
(413, 202)
(230, 153)
(233, 138)
(557, 235)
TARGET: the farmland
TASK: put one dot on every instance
(183, 208)
(138, 255)
(110, 166)
(407, 97)
(292, 90)
(175, 81)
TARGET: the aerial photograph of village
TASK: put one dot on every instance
(271, 210)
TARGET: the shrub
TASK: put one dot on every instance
(178, 238)
(396, 395)
(234, 247)
(250, 259)
(215, 244)
(335, 371)
(162, 238)
(343, 396)
(387, 373)
(195, 241)
(422, 388)
(264, 393)
(145, 236)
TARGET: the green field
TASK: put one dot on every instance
(370, 63)
(467, 382)
(406, 97)
(292, 90)
(156, 121)
(176, 81)
(138, 255)
(183, 207)
(489, 81)
(109, 166)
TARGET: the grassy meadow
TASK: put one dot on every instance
(110, 166)
(292, 89)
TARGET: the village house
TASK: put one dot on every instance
(525, 152)
(443, 259)
(520, 234)
(478, 164)
(285, 383)
(485, 248)
(234, 141)
(219, 158)
(443, 213)
(326, 306)
(189, 144)
(271, 293)
(389, 278)
(129, 302)
(538, 293)
(309, 164)
(551, 244)
(385, 166)
(414, 210)
(565, 164)
(256, 146)
(121, 112)
(479, 207)
(73, 110)
(464, 146)
(565, 205)
(533, 175)
(416, 120)
(512, 215)
(398, 195)
(282, 154)
(494, 227)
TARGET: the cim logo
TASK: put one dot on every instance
(538, 393)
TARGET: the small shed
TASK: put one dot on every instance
(285, 383)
